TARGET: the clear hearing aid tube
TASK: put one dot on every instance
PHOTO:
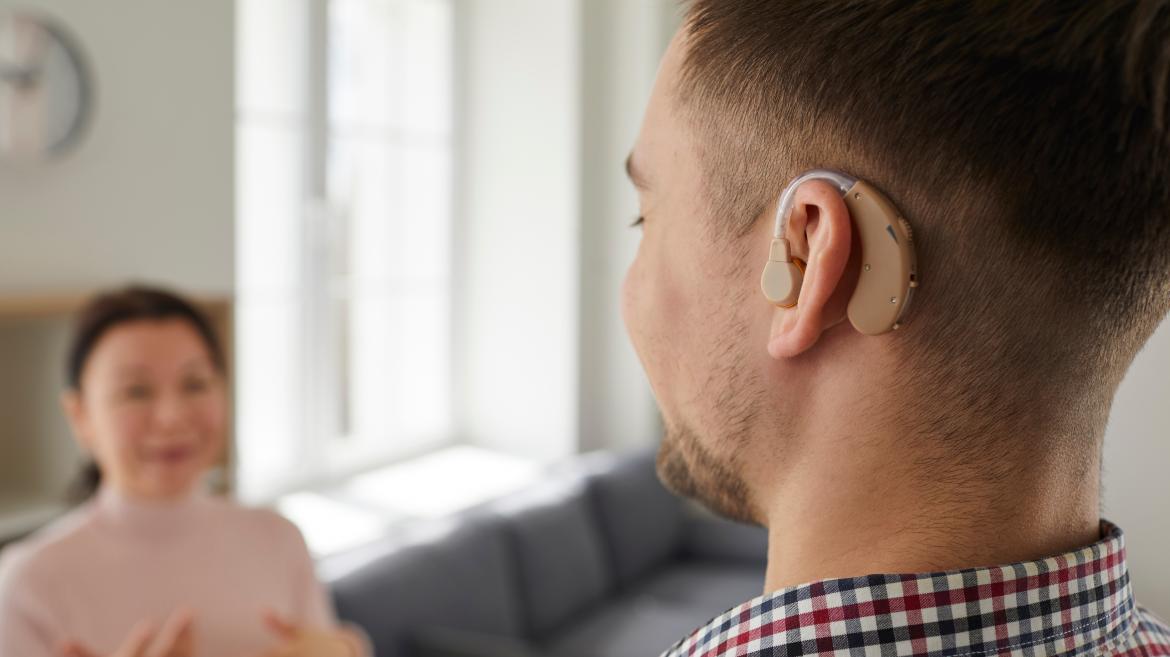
(788, 197)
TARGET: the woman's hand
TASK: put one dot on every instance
(176, 638)
(301, 641)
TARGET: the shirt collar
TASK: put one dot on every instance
(1070, 604)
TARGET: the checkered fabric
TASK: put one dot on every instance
(1077, 604)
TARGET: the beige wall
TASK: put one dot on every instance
(1137, 470)
(148, 194)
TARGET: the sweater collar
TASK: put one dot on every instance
(149, 518)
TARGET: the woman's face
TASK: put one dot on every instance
(151, 408)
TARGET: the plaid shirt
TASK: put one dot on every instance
(1077, 604)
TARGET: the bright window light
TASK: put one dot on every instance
(444, 482)
(383, 503)
(344, 237)
(330, 526)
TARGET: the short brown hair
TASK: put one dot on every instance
(1026, 141)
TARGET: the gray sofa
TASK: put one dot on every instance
(597, 561)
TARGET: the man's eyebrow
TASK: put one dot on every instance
(634, 173)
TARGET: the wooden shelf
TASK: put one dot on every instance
(52, 305)
(40, 306)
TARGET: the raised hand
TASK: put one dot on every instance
(300, 641)
(175, 638)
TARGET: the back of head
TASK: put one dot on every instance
(1026, 140)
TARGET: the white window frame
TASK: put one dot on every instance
(313, 452)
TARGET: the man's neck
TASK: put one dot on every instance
(867, 504)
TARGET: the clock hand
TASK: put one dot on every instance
(21, 76)
(29, 72)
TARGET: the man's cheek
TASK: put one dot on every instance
(641, 314)
(630, 302)
(674, 305)
(637, 314)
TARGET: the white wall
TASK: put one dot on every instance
(1137, 470)
(148, 194)
(516, 306)
(553, 97)
(623, 42)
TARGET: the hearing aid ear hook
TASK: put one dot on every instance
(889, 276)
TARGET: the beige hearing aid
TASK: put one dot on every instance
(889, 270)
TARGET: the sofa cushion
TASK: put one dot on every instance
(559, 553)
(446, 642)
(464, 578)
(663, 609)
(640, 519)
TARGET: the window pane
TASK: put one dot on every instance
(399, 369)
(267, 375)
(426, 212)
(424, 368)
(365, 63)
(269, 209)
(270, 51)
(390, 66)
(344, 311)
(367, 186)
(429, 57)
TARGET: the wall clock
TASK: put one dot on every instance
(45, 93)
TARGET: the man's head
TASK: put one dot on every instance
(1027, 143)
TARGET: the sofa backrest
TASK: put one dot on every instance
(559, 552)
(641, 522)
(521, 567)
(463, 579)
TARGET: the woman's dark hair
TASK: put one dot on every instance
(110, 309)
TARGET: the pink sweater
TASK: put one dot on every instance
(97, 572)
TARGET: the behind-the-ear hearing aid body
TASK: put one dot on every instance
(889, 272)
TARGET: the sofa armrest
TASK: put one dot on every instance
(709, 537)
(446, 642)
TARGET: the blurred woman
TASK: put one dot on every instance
(152, 565)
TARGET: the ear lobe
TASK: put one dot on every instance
(821, 224)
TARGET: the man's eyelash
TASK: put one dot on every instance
(637, 222)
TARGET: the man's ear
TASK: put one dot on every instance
(78, 419)
(819, 232)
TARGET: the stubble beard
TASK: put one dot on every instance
(689, 468)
